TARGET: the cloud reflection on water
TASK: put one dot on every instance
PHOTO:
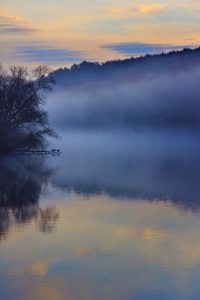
(105, 249)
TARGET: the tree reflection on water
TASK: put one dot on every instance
(21, 182)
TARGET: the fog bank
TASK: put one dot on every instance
(151, 165)
(159, 102)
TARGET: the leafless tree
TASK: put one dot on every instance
(23, 120)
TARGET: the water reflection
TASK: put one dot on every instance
(105, 249)
(21, 182)
(152, 167)
(120, 234)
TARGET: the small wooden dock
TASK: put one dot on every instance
(51, 151)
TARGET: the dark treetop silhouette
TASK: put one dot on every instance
(23, 121)
(129, 69)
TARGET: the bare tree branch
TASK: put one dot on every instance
(23, 121)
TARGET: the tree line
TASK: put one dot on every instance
(128, 69)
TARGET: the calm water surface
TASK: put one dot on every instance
(112, 217)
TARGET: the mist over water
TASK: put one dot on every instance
(131, 165)
(160, 101)
(139, 138)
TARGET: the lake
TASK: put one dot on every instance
(114, 216)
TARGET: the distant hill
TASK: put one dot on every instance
(156, 92)
(129, 69)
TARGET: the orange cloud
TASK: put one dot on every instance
(14, 24)
(142, 10)
(4, 17)
(150, 9)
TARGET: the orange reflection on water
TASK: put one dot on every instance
(106, 249)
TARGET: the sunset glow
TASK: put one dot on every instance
(63, 33)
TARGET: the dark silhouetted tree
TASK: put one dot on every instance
(23, 121)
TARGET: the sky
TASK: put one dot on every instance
(61, 33)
